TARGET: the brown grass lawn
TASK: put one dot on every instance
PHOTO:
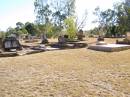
(67, 73)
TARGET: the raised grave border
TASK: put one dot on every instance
(109, 47)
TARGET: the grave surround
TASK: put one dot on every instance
(109, 47)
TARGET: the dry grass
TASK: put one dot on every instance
(66, 73)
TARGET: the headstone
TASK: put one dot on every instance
(10, 43)
(80, 34)
(100, 38)
(61, 40)
(66, 38)
(0, 43)
(44, 39)
(128, 35)
(29, 37)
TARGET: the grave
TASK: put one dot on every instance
(10, 43)
(126, 40)
(100, 40)
(8, 54)
(101, 45)
(64, 43)
(61, 40)
(0, 43)
(80, 35)
(30, 39)
(60, 44)
(44, 39)
(109, 47)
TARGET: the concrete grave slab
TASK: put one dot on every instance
(109, 47)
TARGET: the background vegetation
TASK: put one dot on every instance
(59, 18)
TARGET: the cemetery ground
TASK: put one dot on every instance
(67, 73)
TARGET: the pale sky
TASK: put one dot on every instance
(13, 11)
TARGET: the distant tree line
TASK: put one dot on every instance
(113, 22)
(27, 28)
(53, 19)
(58, 18)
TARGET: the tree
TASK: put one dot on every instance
(124, 16)
(62, 10)
(30, 28)
(19, 25)
(2, 34)
(10, 31)
(70, 8)
(121, 20)
(105, 19)
(20, 28)
(111, 21)
(56, 30)
(51, 16)
(43, 12)
(81, 23)
(70, 27)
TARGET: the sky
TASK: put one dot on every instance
(90, 5)
(13, 11)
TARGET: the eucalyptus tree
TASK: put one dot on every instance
(10, 31)
(19, 25)
(105, 17)
(20, 28)
(30, 27)
(42, 10)
(62, 9)
(111, 20)
(126, 14)
(51, 16)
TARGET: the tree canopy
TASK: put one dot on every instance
(52, 16)
(114, 21)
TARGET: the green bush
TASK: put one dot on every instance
(70, 27)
